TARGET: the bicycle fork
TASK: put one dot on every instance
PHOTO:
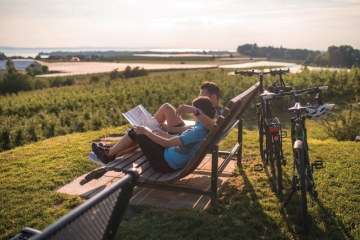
(309, 180)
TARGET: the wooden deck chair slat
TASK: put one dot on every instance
(145, 175)
(122, 163)
(137, 163)
(119, 160)
(144, 167)
(153, 178)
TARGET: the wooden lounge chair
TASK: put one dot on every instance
(98, 218)
(153, 179)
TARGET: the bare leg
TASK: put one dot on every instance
(124, 143)
(168, 113)
(165, 113)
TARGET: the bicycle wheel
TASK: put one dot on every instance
(276, 167)
(262, 138)
(300, 158)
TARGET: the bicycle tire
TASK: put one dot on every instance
(301, 159)
(261, 132)
(277, 175)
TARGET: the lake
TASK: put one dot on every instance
(33, 52)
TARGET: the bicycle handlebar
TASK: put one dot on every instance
(252, 73)
(295, 93)
(279, 72)
(249, 73)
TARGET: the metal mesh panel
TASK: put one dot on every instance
(91, 224)
(98, 218)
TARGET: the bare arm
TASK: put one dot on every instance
(165, 142)
(162, 133)
(167, 128)
(204, 120)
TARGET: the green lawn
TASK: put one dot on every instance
(247, 206)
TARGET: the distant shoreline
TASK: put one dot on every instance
(33, 52)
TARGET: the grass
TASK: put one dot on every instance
(247, 208)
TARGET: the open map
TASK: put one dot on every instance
(139, 116)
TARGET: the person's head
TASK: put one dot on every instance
(212, 91)
(205, 105)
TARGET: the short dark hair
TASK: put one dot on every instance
(205, 105)
(211, 88)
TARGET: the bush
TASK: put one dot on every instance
(15, 82)
(343, 127)
(136, 72)
(69, 81)
(114, 74)
(58, 82)
(40, 84)
(94, 79)
(55, 82)
(5, 140)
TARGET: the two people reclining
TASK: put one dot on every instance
(168, 152)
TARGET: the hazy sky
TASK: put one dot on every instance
(190, 24)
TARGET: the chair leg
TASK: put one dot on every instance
(214, 173)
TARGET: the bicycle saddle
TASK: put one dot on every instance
(277, 89)
(297, 107)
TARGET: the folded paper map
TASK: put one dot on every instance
(139, 116)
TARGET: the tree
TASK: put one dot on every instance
(128, 73)
(2, 56)
(342, 56)
(45, 69)
(10, 67)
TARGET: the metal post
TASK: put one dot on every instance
(214, 175)
(240, 139)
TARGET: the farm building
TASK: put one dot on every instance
(20, 65)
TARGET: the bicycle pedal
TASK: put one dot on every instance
(258, 167)
(315, 195)
(318, 164)
(265, 155)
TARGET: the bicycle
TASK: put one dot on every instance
(269, 128)
(302, 172)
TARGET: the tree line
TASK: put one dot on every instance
(343, 56)
(253, 50)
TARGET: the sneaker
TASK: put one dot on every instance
(95, 146)
(104, 156)
(101, 144)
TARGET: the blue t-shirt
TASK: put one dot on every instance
(178, 156)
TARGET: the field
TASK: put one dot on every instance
(76, 68)
(247, 208)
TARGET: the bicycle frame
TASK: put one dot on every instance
(299, 140)
(270, 127)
